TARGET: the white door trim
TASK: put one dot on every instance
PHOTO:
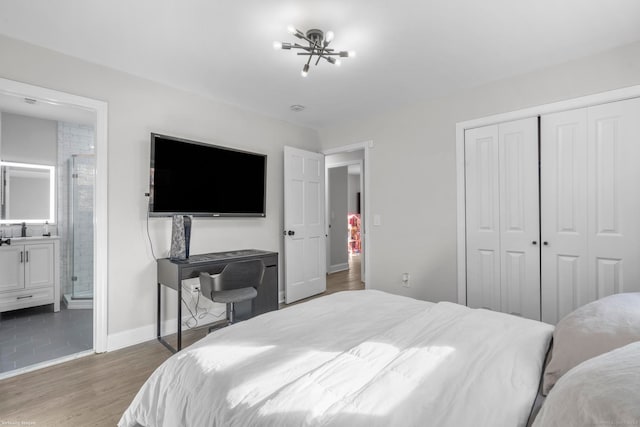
(570, 104)
(100, 269)
(366, 179)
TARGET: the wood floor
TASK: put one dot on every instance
(95, 390)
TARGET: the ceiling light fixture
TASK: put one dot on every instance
(318, 46)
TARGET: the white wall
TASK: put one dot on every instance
(413, 171)
(353, 190)
(136, 108)
(29, 140)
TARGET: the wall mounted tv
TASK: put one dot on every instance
(193, 178)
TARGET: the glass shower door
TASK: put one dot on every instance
(82, 182)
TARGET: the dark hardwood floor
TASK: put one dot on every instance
(95, 390)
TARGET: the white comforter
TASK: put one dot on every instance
(353, 359)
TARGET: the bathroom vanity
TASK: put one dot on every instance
(30, 273)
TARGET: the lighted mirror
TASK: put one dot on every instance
(27, 193)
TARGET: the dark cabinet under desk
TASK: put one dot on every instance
(171, 273)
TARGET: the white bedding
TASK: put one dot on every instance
(602, 391)
(363, 358)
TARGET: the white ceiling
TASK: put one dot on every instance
(10, 103)
(408, 51)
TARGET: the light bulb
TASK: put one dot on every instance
(352, 54)
(305, 70)
(338, 62)
(328, 37)
(292, 29)
(277, 45)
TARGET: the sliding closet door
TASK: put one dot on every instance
(482, 217)
(503, 264)
(519, 218)
(563, 178)
(590, 205)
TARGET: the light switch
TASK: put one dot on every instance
(377, 219)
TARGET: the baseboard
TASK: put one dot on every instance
(338, 267)
(145, 333)
(280, 297)
(138, 335)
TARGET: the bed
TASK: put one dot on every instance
(363, 358)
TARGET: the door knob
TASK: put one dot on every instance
(534, 243)
(545, 243)
(291, 232)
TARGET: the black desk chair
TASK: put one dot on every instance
(237, 282)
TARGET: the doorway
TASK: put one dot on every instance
(305, 203)
(346, 219)
(73, 118)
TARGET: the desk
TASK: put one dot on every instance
(171, 273)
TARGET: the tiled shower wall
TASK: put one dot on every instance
(76, 139)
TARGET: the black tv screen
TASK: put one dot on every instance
(193, 178)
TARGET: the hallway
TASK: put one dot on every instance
(347, 280)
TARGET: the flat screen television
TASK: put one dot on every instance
(193, 178)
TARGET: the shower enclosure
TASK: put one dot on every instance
(81, 176)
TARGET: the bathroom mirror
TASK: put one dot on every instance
(27, 193)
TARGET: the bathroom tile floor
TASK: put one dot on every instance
(37, 334)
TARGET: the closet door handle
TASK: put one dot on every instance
(534, 243)
(27, 252)
(21, 257)
(545, 243)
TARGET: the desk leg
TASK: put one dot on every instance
(158, 332)
(158, 311)
(179, 343)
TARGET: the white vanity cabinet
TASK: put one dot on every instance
(29, 273)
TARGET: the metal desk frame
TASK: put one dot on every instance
(171, 273)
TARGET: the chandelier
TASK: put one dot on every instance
(318, 46)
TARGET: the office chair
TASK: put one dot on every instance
(237, 282)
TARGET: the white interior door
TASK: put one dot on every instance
(483, 217)
(614, 199)
(590, 205)
(519, 218)
(503, 255)
(304, 233)
(563, 170)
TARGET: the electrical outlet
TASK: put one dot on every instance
(191, 285)
(405, 280)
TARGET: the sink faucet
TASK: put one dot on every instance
(24, 230)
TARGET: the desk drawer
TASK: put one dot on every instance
(217, 266)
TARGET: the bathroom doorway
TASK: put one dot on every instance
(54, 333)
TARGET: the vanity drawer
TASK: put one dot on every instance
(25, 298)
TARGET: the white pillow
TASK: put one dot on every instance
(603, 391)
(591, 330)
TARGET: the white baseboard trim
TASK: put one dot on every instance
(138, 335)
(142, 334)
(338, 267)
(280, 297)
